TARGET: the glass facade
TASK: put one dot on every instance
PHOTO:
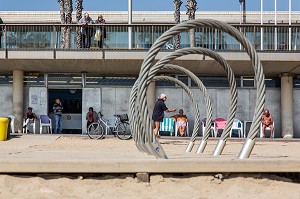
(76, 80)
(143, 36)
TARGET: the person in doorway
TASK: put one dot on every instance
(29, 117)
(1, 32)
(86, 30)
(158, 112)
(267, 121)
(181, 122)
(100, 34)
(91, 117)
(57, 110)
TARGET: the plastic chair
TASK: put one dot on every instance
(45, 121)
(186, 130)
(12, 123)
(220, 124)
(267, 129)
(167, 125)
(30, 123)
(212, 128)
(237, 125)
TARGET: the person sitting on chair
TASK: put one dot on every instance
(267, 121)
(91, 117)
(29, 117)
(181, 121)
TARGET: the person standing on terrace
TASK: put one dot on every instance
(1, 32)
(86, 30)
(101, 31)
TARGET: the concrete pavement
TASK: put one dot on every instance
(79, 154)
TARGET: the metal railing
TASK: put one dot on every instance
(115, 36)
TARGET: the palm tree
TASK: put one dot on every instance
(66, 9)
(69, 10)
(191, 9)
(177, 4)
(79, 9)
(63, 20)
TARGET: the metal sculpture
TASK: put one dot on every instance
(233, 103)
(138, 110)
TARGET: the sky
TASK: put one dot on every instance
(146, 5)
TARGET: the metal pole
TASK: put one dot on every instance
(261, 23)
(290, 23)
(129, 23)
(83, 79)
(244, 11)
(275, 18)
(241, 15)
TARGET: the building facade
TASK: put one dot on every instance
(35, 70)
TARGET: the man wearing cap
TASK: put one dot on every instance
(158, 112)
(29, 117)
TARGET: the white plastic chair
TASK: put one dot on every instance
(237, 125)
(212, 128)
(30, 123)
(186, 130)
(267, 129)
(45, 121)
(12, 123)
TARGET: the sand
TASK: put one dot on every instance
(127, 186)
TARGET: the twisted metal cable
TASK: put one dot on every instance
(198, 82)
(188, 92)
(144, 120)
(217, 57)
(140, 142)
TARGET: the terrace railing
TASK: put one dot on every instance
(267, 37)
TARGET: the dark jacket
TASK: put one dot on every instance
(104, 29)
(159, 109)
(57, 109)
(1, 27)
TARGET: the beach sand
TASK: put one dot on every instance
(167, 186)
(127, 186)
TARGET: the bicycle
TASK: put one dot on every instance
(117, 125)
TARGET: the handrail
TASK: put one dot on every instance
(148, 24)
(115, 37)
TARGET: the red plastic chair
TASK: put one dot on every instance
(220, 124)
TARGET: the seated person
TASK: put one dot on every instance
(181, 121)
(29, 117)
(267, 121)
(91, 117)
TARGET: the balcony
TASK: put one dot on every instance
(39, 47)
(49, 36)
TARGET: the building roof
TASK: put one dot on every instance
(149, 16)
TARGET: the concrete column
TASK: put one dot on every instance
(151, 97)
(287, 123)
(18, 98)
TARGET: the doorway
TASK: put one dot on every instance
(71, 100)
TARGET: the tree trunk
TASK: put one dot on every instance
(191, 9)
(69, 10)
(79, 9)
(63, 21)
(177, 4)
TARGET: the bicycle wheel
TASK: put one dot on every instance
(123, 131)
(95, 131)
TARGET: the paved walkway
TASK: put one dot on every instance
(79, 154)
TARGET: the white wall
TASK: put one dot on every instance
(114, 100)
